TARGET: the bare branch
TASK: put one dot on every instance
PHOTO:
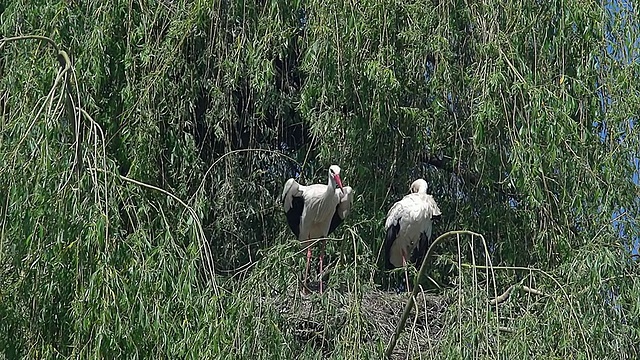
(532, 291)
(503, 297)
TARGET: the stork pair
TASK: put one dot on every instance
(315, 211)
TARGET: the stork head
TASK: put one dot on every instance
(419, 186)
(334, 176)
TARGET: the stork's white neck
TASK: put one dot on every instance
(332, 184)
(332, 188)
(419, 186)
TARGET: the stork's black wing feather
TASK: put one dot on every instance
(392, 233)
(294, 215)
(335, 221)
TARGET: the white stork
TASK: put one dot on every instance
(408, 226)
(315, 211)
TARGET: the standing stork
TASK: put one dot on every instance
(408, 226)
(315, 211)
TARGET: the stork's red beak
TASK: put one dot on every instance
(338, 181)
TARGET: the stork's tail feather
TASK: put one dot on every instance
(418, 255)
(287, 197)
(392, 233)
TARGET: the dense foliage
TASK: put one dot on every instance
(140, 177)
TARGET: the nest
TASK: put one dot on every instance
(321, 320)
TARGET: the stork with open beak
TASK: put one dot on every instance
(315, 211)
(408, 225)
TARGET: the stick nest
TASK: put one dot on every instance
(368, 317)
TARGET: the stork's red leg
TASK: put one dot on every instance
(321, 258)
(306, 271)
(406, 273)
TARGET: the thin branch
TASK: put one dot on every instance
(532, 291)
(29, 37)
(205, 243)
(409, 306)
(104, 165)
(465, 173)
(236, 152)
(564, 292)
(65, 67)
(506, 329)
(503, 297)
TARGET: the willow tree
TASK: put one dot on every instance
(144, 145)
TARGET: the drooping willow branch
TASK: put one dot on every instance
(204, 242)
(272, 152)
(65, 68)
(410, 302)
(4, 41)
